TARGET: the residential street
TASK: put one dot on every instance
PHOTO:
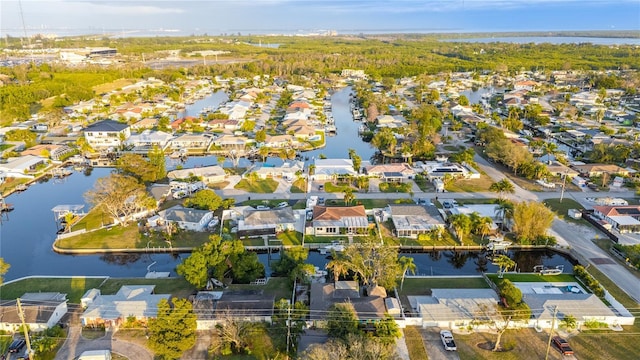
(76, 345)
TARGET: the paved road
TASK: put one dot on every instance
(76, 345)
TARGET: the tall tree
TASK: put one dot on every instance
(157, 162)
(205, 200)
(504, 263)
(531, 220)
(407, 264)
(502, 187)
(173, 330)
(348, 196)
(121, 196)
(461, 224)
(4, 267)
(342, 321)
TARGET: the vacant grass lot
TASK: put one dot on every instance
(279, 287)
(534, 278)
(290, 238)
(562, 209)
(470, 185)
(298, 186)
(423, 286)
(116, 237)
(527, 343)
(336, 188)
(74, 287)
(262, 186)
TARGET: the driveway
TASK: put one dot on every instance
(76, 345)
(433, 344)
(497, 175)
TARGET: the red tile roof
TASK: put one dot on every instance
(337, 212)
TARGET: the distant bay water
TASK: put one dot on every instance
(550, 40)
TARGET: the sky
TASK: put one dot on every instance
(290, 16)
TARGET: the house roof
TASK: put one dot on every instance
(130, 300)
(386, 168)
(323, 296)
(628, 210)
(37, 308)
(205, 171)
(245, 303)
(453, 304)
(181, 214)
(106, 126)
(269, 217)
(337, 212)
(610, 168)
(582, 306)
(415, 217)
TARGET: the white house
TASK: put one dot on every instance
(138, 301)
(41, 311)
(20, 167)
(209, 174)
(263, 222)
(413, 220)
(106, 134)
(329, 168)
(150, 138)
(187, 218)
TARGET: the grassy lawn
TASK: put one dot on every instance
(392, 187)
(262, 186)
(562, 209)
(613, 289)
(290, 238)
(299, 205)
(606, 244)
(423, 286)
(253, 241)
(318, 143)
(92, 334)
(270, 203)
(114, 85)
(534, 278)
(336, 188)
(74, 287)
(311, 239)
(94, 219)
(219, 185)
(528, 345)
(470, 185)
(182, 238)
(116, 237)
(380, 203)
(414, 343)
(298, 186)
(177, 287)
(280, 287)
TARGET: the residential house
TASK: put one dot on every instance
(348, 220)
(302, 131)
(147, 139)
(326, 169)
(558, 169)
(583, 98)
(453, 308)
(146, 123)
(56, 152)
(624, 219)
(562, 299)
(214, 307)
(398, 172)
(20, 167)
(41, 311)
(187, 218)
(230, 142)
(528, 85)
(367, 308)
(106, 134)
(281, 141)
(191, 141)
(137, 301)
(267, 222)
(492, 211)
(287, 170)
(392, 122)
(589, 170)
(412, 220)
(208, 174)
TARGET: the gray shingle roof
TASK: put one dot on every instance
(106, 126)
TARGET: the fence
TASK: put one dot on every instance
(588, 215)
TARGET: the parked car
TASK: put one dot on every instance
(262, 207)
(320, 187)
(16, 345)
(562, 345)
(283, 204)
(447, 340)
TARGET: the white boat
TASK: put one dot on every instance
(335, 246)
(499, 245)
(546, 270)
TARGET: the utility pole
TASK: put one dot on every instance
(24, 328)
(564, 181)
(553, 325)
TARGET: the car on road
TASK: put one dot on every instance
(16, 345)
(283, 204)
(320, 187)
(447, 340)
(262, 207)
(562, 345)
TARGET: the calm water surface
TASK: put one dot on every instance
(552, 40)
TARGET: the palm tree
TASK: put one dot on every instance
(338, 267)
(264, 152)
(505, 211)
(504, 263)
(549, 148)
(407, 264)
(461, 225)
(348, 196)
(483, 226)
(502, 187)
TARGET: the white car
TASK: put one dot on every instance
(262, 207)
(283, 204)
(447, 340)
